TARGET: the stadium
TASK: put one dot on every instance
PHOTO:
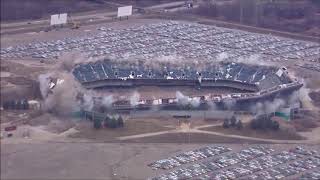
(258, 83)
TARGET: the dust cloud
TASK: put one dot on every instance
(186, 100)
(134, 99)
(107, 101)
(68, 95)
(268, 107)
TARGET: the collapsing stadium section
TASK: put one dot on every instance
(257, 82)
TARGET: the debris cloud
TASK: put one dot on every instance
(134, 99)
(186, 100)
(182, 99)
(107, 101)
(67, 95)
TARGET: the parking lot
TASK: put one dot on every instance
(189, 156)
(133, 160)
(177, 39)
(257, 162)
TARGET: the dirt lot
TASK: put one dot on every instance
(315, 96)
(19, 79)
(15, 116)
(266, 134)
(190, 138)
(132, 127)
(306, 121)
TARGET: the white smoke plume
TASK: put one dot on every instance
(88, 102)
(302, 95)
(44, 80)
(64, 98)
(107, 101)
(195, 102)
(273, 106)
(268, 107)
(134, 99)
(186, 100)
(305, 98)
(182, 99)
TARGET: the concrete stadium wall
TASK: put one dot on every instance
(195, 114)
(238, 104)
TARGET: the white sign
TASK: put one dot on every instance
(63, 18)
(124, 11)
(54, 19)
(57, 19)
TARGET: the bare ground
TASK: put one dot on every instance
(315, 96)
(281, 134)
(186, 138)
(19, 78)
(306, 121)
(132, 127)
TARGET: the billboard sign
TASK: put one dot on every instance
(124, 11)
(57, 19)
(63, 18)
(54, 19)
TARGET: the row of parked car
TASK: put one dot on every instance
(189, 156)
(286, 170)
(216, 163)
(253, 163)
(185, 40)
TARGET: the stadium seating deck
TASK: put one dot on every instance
(263, 76)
